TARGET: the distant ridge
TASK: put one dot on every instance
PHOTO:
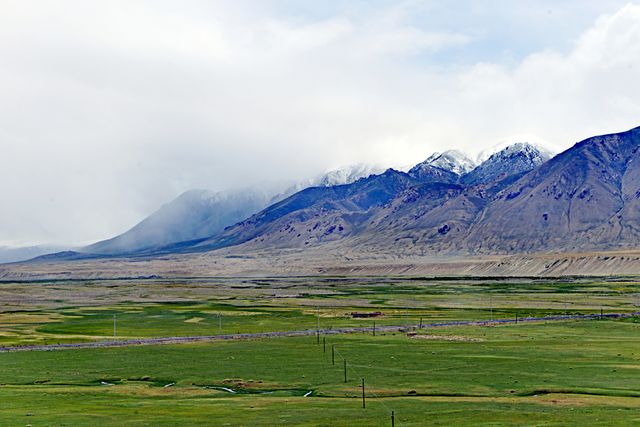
(63, 255)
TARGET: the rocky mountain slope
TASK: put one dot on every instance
(513, 160)
(322, 213)
(585, 198)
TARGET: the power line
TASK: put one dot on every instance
(357, 374)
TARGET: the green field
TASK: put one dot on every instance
(57, 312)
(553, 373)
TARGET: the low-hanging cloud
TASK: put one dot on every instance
(111, 108)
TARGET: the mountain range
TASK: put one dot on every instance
(520, 199)
(432, 204)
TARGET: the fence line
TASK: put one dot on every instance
(300, 333)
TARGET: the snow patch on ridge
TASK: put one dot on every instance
(452, 160)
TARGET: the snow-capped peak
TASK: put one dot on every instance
(534, 153)
(515, 143)
(452, 160)
(514, 159)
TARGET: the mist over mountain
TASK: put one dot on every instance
(192, 215)
(197, 214)
(346, 175)
(21, 253)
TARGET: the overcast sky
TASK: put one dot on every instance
(110, 108)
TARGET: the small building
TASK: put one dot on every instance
(357, 315)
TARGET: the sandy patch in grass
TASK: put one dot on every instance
(230, 313)
(29, 318)
(129, 389)
(194, 320)
(587, 400)
(625, 366)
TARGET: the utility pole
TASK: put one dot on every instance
(333, 354)
(420, 327)
(393, 419)
(491, 307)
(363, 404)
(374, 328)
(601, 314)
(318, 327)
(324, 344)
(345, 369)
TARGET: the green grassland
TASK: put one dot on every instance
(550, 373)
(570, 373)
(62, 312)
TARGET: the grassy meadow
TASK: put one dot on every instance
(552, 373)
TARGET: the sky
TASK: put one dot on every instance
(108, 109)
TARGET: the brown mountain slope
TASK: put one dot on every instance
(583, 199)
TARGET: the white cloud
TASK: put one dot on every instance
(589, 90)
(111, 108)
